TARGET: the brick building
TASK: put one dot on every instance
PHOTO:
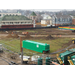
(73, 21)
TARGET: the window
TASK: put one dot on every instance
(56, 19)
(3, 22)
(33, 17)
(68, 19)
(63, 20)
(60, 19)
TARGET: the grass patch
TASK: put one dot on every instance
(14, 44)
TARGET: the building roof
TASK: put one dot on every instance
(60, 15)
(14, 17)
(33, 14)
(63, 16)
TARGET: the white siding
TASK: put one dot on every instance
(43, 22)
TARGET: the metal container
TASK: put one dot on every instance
(47, 60)
(40, 61)
(36, 46)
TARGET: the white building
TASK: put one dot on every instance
(46, 19)
(3, 14)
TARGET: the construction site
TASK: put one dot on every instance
(18, 47)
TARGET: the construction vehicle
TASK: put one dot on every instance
(67, 57)
(73, 40)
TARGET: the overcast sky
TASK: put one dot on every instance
(52, 10)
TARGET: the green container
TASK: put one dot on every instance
(35, 46)
(47, 60)
(40, 61)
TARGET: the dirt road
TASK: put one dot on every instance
(4, 35)
(63, 36)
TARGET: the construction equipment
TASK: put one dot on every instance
(40, 62)
(59, 59)
(70, 61)
(73, 40)
(67, 57)
(47, 60)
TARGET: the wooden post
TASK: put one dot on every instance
(22, 56)
(21, 44)
(21, 49)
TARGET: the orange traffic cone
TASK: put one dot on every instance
(35, 35)
(12, 32)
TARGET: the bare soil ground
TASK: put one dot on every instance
(8, 57)
(37, 34)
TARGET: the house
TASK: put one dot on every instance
(45, 16)
(47, 19)
(32, 16)
(61, 19)
(39, 18)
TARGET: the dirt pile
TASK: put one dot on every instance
(28, 36)
(12, 36)
(49, 37)
(9, 36)
(15, 36)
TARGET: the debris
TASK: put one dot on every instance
(6, 32)
(35, 58)
(12, 56)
